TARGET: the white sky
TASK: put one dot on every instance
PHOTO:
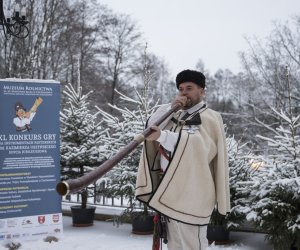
(184, 31)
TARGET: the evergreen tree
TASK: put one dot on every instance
(275, 207)
(81, 136)
(240, 172)
(120, 181)
(240, 160)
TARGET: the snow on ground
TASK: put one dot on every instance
(106, 236)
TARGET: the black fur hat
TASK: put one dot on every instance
(18, 106)
(190, 76)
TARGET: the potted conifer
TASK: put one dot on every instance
(120, 181)
(218, 230)
(80, 139)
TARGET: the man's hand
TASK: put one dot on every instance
(27, 114)
(179, 100)
(155, 134)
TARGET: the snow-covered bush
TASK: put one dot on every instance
(81, 135)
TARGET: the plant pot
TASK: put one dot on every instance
(83, 217)
(293, 247)
(218, 234)
(143, 224)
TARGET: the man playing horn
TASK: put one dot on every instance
(183, 171)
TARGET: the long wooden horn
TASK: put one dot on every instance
(75, 185)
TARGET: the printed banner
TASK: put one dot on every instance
(29, 158)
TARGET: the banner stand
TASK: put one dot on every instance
(30, 207)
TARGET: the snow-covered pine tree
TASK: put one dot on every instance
(240, 171)
(120, 181)
(275, 205)
(240, 160)
(81, 135)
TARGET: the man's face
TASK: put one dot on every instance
(193, 92)
(20, 113)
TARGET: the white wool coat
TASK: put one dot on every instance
(196, 179)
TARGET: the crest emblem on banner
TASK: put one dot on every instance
(55, 218)
(41, 219)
